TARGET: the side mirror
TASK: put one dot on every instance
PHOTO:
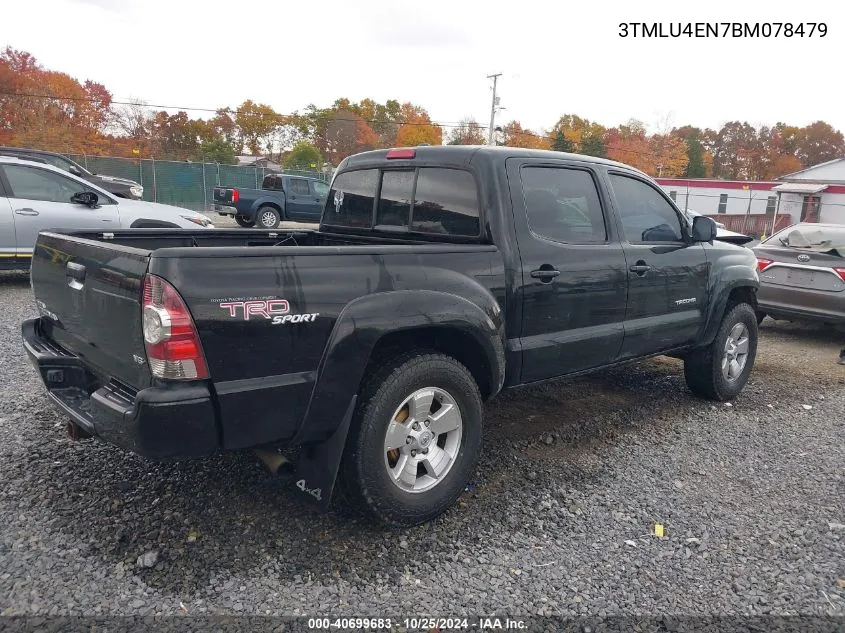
(88, 198)
(74, 170)
(703, 229)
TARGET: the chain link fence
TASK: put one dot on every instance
(182, 183)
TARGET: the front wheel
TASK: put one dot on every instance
(720, 371)
(415, 439)
(267, 217)
(242, 221)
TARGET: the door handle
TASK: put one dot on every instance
(545, 273)
(640, 268)
(26, 211)
(75, 275)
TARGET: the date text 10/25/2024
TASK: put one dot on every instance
(417, 624)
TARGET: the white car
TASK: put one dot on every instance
(722, 233)
(35, 197)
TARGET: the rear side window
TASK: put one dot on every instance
(394, 205)
(299, 186)
(351, 198)
(446, 201)
(563, 205)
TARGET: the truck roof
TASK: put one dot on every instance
(463, 154)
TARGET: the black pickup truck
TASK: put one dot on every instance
(438, 277)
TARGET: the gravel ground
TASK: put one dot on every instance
(227, 222)
(574, 477)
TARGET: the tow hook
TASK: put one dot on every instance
(76, 432)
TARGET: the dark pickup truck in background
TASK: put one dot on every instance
(438, 277)
(280, 198)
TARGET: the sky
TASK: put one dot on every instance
(555, 57)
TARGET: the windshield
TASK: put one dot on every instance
(821, 238)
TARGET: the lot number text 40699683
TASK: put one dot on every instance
(722, 29)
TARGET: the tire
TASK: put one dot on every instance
(760, 317)
(267, 217)
(703, 369)
(242, 221)
(367, 463)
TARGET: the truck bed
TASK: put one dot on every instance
(88, 289)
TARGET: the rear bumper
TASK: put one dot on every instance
(159, 422)
(801, 303)
(222, 209)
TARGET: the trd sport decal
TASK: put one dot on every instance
(275, 310)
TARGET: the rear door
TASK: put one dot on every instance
(667, 271)
(40, 200)
(573, 268)
(301, 201)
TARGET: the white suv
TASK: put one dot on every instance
(35, 196)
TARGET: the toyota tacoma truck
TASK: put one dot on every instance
(281, 198)
(438, 276)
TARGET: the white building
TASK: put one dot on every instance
(815, 194)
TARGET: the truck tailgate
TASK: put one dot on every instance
(88, 294)
(224, 195)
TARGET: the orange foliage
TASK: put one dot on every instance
(517, 136)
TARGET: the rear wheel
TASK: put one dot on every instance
(267, 217)
(415, 439)
(242, 221)
(720, 371)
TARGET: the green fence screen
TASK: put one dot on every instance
(183, 184)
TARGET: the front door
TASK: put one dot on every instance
(301, 200)
(40, 200)
(573, 269)
(667, 272)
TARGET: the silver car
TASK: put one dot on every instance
(35, 196)
(802, 273)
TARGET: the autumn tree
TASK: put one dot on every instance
(628, 144)
(256, 122)
(668, 155)
(736, 151)
(696, 162)
(417, 127)
(467, 132)
(49, 109)
(341, 133)
(819, 143)
(514, 135)
(580, 131)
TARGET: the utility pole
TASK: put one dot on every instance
(495, 103)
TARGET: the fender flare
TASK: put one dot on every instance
(364, 321)
(718, 306)
(277, 204)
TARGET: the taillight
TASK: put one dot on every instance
(235, 195)
(401, 153)
(763, 263)
(840, 270)
(170, 337)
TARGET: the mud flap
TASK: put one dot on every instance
(318, 463)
